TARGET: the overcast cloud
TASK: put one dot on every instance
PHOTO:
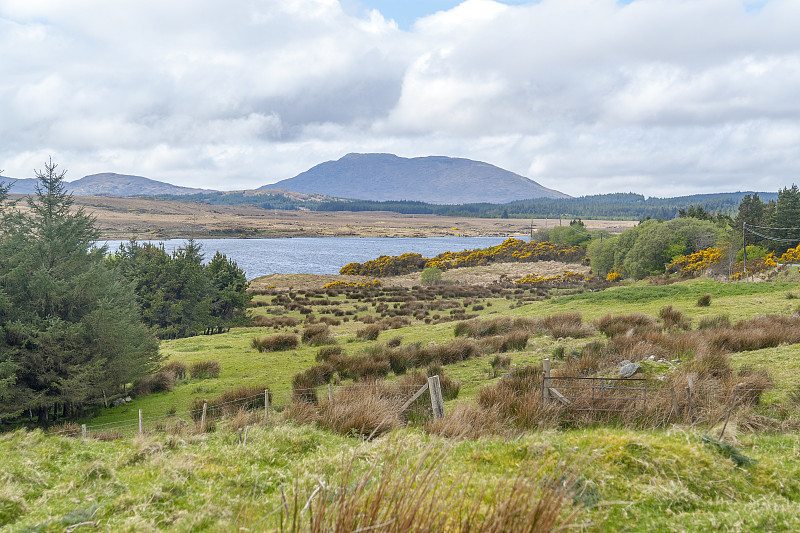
(661, 97)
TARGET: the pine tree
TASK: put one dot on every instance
(786, 218)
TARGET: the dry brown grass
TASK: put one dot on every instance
(471, 421)
(395, 496)
(361, 411)
(566, 325)
(630, 324)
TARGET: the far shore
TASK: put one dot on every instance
(152, 219)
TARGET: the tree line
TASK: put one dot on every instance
(77, 325)
(616, 206)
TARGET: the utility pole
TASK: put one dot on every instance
(744, 243)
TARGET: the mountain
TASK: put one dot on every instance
(108, 184)
(20, 186)
(437, 179)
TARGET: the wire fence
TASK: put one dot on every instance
(269, 401)
(601, 395)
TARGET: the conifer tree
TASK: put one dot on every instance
(69, 326)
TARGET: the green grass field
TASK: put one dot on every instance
(624, 479)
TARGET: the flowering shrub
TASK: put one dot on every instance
(696, 263)
(613, 275)
(792, 255)
(511, 250)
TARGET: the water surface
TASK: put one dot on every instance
(317, 255)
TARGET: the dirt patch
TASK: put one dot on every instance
(488, 274)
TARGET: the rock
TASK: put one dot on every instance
(623, 363)
(651, 358)
(629, 370)
(128, 399)
(118, 402)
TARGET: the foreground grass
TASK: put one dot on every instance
(623, 480)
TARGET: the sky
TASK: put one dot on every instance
(658, 97)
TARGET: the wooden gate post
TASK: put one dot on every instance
(436, 397)
(546, 381)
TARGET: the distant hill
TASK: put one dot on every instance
(108, 184)
(437, 179)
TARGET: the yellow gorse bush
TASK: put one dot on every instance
(696, 263)
(792, 255)
(511, 250)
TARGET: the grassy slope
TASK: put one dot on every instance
(633, 480)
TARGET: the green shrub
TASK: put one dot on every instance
(704, 300)
(431, 276)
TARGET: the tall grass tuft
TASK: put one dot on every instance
(204, 369)
(369, 332)
(317, 334)
(673, 318)
(275, 343)
(178, 368)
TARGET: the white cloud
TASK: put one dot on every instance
(662, 97)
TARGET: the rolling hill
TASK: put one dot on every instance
(107, 184)
(436, 179)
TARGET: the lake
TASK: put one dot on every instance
(261, 257)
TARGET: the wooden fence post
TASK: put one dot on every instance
(689, 399)
(83, 432)
(141, 423)
(546, 381)
(330, 393)
(266, 406)
(730, 410)
(244, 443)
(203, 418)
(437, 402)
